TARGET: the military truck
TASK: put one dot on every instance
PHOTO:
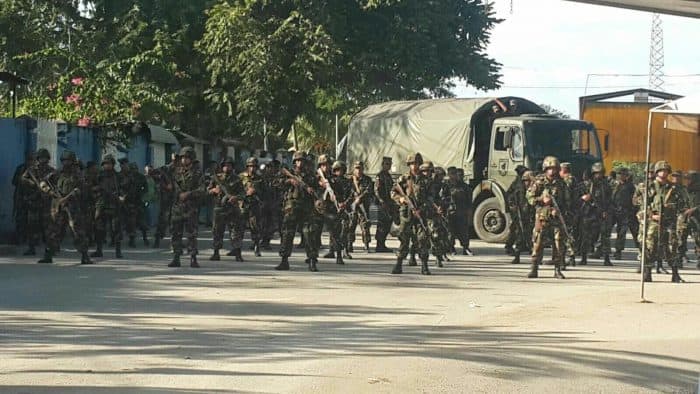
(487, 137)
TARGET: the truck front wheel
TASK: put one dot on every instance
(490, 222)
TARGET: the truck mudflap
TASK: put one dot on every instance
(491, 222)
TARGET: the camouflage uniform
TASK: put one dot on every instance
(66, 188)
(272, 203)
(548, 220)
(189, 191)
(134, 186)
(362, 189)
(440, 242)
(662, 213)
(690, 220)
(596, 214)
(414, 188)
(20, 209)
(91, 175)
(164, 176)
(228, 193)
(571, 214)
(38, 217)
(252, 204)
(336, 213)
(522, 214)
(300, 204)
(624, 212)
(388, 211)
(514, 190)
(107, 207)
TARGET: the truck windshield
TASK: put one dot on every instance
(563, 139)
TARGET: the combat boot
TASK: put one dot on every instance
(516, 258)
(412, 260)
(467, 252)
(156, 242)
(48, 257)
(584, 259)
(312, 265)
(215, 256)
(557, 272)
(85, 259)
(617, 255)
(347, 254)
(237, 254)
(330, 254)
(283, 265)
(424, 267)
(193, 261)
(683, 260)
(98, 251)
(118, 250)
(606, 261)
(572, 261)
(647, 274)
(256, 249)
(397, 267)
(660, 267)
(675, 276)
(439, 262)
(381, 248)
(509, 250)
(176, 260)
(533, 269)
(231, 253)
(31, 251)
(339, 259)
(132, 241)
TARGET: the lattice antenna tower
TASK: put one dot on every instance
(656, 54)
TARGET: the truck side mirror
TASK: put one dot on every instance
(508, 138)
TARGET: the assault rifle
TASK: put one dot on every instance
(411, 206)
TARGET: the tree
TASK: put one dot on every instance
(284, 59)
(553, 111)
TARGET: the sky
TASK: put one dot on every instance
(549, 48)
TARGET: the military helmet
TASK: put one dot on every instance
(414, 158)
(187, 151)
(452, 170)
(677, 173)
(227, 160)
(68, 155)
(251, 161)
(662, 165)
(386, 159)
(358, 164)
(323, 159)
(298, 155)
(597, 167)
(527, 175)
(108, 159)
(623, 171)
(338, 165)
(425, 167)
(550, 162)
(430, 164)
(43, 153)
(440, 170)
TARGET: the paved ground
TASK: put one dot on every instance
(135, 326)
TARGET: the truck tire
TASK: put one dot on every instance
(490, 221)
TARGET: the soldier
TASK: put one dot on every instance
(662, 214)
(250, 209)
(272, 203)
(20, 210)
(299, 204)
(108, 200)
(547, 194)
(227, 190)
(570, 213)
(623, 211)
(439, 231)
(91, 174)
(363, 189)
(458, 195)
(38, 215)
(133, 186)
(388, 210)
(522, 215)
(596, 212)
(512, 195)
(66, 188)
(163, 177)
(411, 192)
(676, 180)
(188, 185)
(336, 217)
(691, 218)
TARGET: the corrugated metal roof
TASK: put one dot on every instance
(161, 134)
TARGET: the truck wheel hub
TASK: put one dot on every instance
(494, 222)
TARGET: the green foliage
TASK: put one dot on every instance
(637, 169)
(553, 111)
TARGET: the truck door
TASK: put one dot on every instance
(506, 153)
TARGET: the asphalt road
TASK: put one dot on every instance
(477, 325)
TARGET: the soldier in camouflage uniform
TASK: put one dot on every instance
(664, 202)
(251, 208)
(133, 185)
(515, 189)
(38, 216)
(336, 218)
(228, 193)
(164, 179)
(684, 213)
(624, 211)
(20, 209)
(412, 193)
(91, 174)
(570, 214)
(439, 232)
(458, 197)
(388, 210)
(689, 221)
(107, 207)
(522, 214)
(300, 202)
(188, 186)
(66, 188)
(596, 212)
(547, 192)
(272, 203)
(362, 189)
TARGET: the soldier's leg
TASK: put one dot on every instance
(405, 234)
(423, 246)
(289, 230)
(218, 228)
(622, 227)
(312, 227)
(254, 221)
(34, 228)
(239, 221)
(351, 230)
(365, 227)
(682, 239)
(558, 249)
(652, 249)
(538, 243)
(383, 228)
(191, 231)
(605, 230)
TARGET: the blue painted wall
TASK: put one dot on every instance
(14, 144)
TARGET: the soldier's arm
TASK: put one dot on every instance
(377, 190)
(532, 195)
